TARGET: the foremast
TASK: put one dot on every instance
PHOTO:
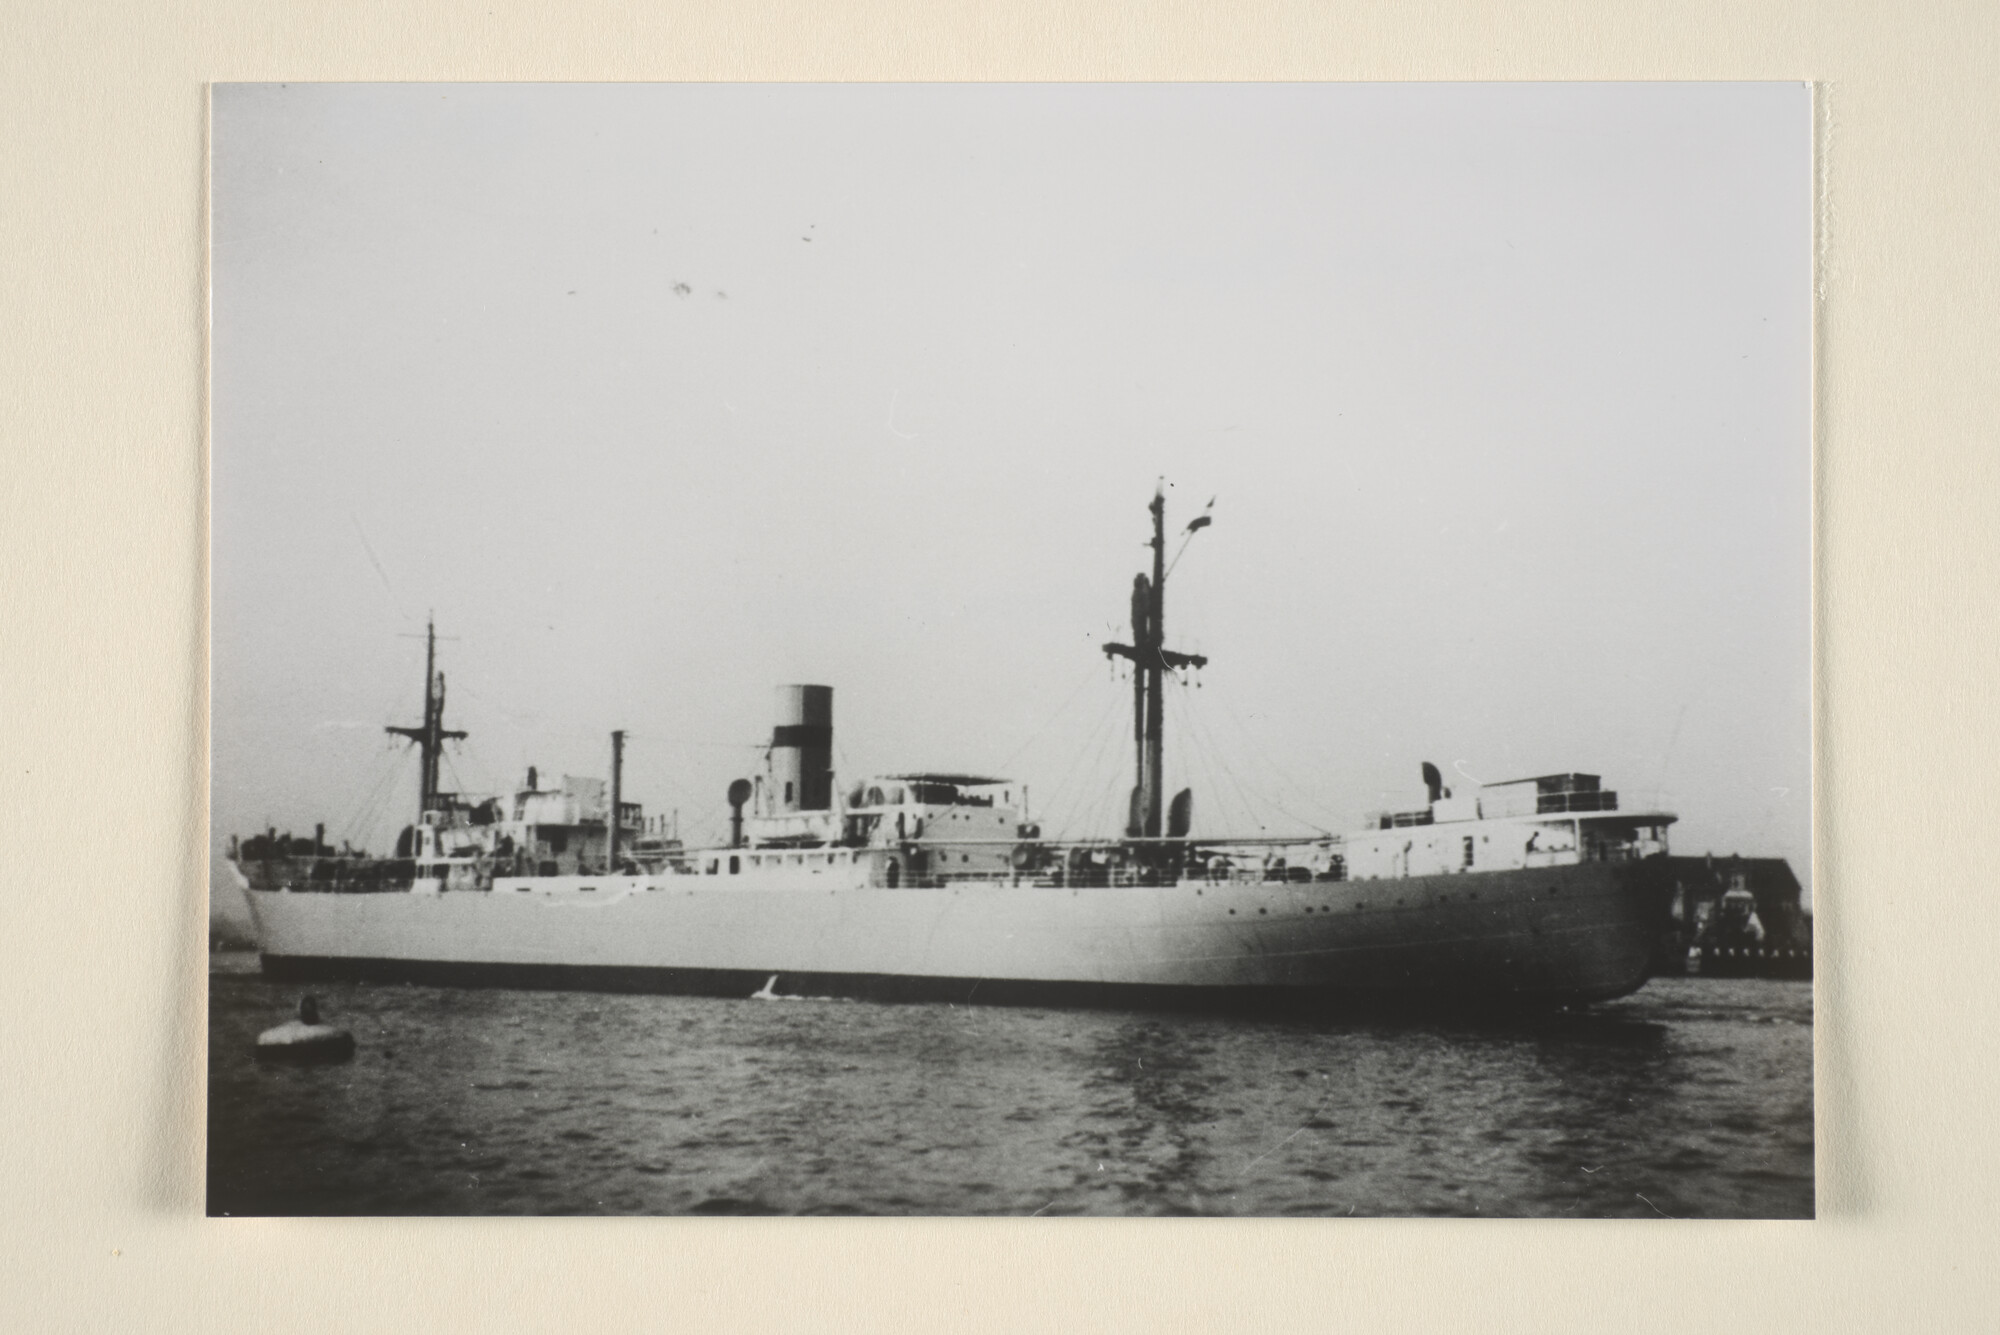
(1151, 661)
(431, 735)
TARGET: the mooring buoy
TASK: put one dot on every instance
(305, 1040)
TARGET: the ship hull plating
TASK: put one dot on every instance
(1573, 933)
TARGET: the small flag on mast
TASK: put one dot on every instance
(1204, 519)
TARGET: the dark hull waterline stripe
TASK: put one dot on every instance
(742, 983)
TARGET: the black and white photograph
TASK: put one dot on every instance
(1011, 650)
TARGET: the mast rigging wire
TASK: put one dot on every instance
(1198, 734)
(1095, 744)
(1265, 799)
(1006, 766)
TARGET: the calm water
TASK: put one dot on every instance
(1691, 1098)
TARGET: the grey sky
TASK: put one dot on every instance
(661, 396)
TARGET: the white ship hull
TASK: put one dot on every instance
(1567, 933)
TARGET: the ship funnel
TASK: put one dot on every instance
(1433, 781)
(802, 749)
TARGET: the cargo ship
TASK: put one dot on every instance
(936, 885)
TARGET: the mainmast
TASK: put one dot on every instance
(431, 735)
(1151, 661)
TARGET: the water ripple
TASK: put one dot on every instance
(1692, 1098)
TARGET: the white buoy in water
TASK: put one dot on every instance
(305, 1039)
